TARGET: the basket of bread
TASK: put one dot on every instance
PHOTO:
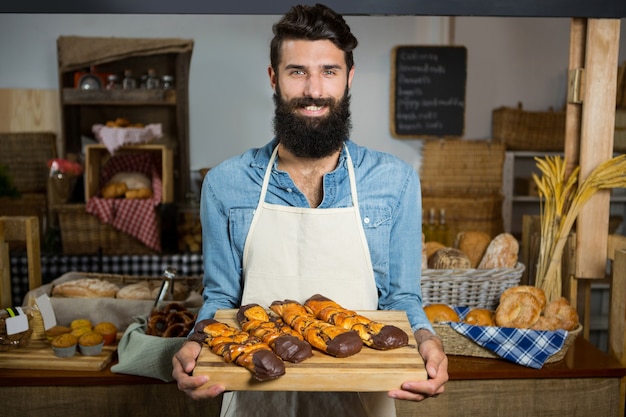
(524, 328)
(474, 272)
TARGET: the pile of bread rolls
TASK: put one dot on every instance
(521, 307)
(472, 249)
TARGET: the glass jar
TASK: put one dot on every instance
(152, 81)
(129, 82)
(167, 82)
(113, 82)
(16, 327)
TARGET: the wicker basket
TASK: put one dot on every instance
(455, 343)
(83, 234)
(461, 167)
(469, 287)
(529, 130)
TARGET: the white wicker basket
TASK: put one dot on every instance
(468, 287)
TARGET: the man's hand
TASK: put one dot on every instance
(184, 361)
(436, 363)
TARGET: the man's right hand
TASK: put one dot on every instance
(183, 362)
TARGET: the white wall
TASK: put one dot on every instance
(510, 60)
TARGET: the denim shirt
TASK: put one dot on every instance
(389, 198)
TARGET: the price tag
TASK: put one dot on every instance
(17, 321)
(47, 313)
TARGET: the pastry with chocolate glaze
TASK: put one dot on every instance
(374, 334)
(288, 344)
(326, 337)
(240, 348)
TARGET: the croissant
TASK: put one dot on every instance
(326, 337)
(288, 344)
(374, 334)
(241, 348)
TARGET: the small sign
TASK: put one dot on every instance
(428, 91)
(17, 322)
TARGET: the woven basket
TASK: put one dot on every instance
(529, 130)
(474, 288)
(83, 234)
(461, 167)
(455, 343)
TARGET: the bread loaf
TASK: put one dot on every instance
(502, 252)
(85, 288)
(473, 244)
(432, 247)
(449, 258)
(137, 291)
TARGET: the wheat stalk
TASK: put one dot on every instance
(561, 202)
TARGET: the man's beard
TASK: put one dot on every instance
(312, 137)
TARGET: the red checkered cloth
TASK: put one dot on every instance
(136, 217)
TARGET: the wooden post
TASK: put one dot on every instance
(597, 130)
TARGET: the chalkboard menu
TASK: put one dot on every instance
(428, 91)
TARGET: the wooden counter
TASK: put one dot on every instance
(477, 386)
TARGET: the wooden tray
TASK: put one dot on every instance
(368, 370)
(38, 355)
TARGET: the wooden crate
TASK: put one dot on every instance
(97, 155)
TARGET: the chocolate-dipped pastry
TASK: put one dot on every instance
(284, 341)
(374, 334)
(242, 349)
(328, 338)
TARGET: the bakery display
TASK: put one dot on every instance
(240, 348)
(288, 344)
(328, 338)
(374, 334)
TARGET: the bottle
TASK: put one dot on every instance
(152, 81)
(129, 82)
(166, 293)
(442, 228)
(431, 227)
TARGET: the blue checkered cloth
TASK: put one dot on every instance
(525, 347)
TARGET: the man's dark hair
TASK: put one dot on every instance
(312, 23)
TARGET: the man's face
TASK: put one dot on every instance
(311, 87)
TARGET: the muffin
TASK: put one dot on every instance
(108, 331)
(55, 331)
(91, 344)
(81, 323)
(64, 346)
(79, 331)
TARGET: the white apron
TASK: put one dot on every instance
(293, 253)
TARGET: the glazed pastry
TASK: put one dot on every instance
(374, 334)
(240, 348)
(328, 338)
(480, 317)
(284, 341)
(440, 313)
